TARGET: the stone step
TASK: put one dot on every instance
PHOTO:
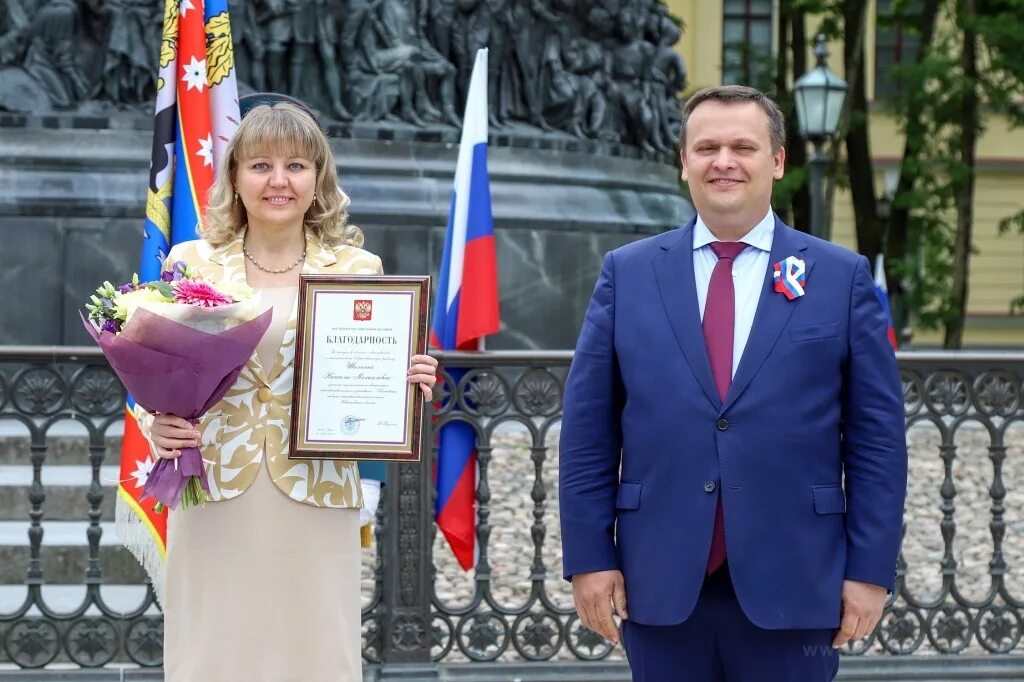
(66, 489)
(64, 554)
(67, 598)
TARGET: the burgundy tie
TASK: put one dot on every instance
(719, 321)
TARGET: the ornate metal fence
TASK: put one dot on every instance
(960, 584)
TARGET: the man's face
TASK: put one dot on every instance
(728, 161)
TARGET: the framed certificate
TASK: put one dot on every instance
(353, 342)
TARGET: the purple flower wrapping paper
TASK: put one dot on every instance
(174, 368)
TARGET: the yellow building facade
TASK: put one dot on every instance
(997, 265)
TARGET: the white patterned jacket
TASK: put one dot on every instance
(256, 411)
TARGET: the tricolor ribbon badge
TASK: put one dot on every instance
(790, 275)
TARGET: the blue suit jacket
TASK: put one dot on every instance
(807, 450)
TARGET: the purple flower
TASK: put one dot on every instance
(167, 276)
(125, 288)
(111, 326)
(179, 270)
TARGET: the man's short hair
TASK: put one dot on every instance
(738, 94)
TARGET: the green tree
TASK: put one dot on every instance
(965, 66)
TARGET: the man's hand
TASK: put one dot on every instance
(862, 609)
(595, 595)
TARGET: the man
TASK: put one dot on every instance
(733, 463)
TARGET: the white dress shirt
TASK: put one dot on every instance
(748, 272)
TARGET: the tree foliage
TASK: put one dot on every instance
(967, 65)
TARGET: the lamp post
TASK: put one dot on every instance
(820, 94)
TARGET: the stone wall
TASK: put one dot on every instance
(72, 196)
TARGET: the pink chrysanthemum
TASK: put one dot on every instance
(198, 293)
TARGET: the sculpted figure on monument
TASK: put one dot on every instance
(52, 57)
(439, 71)
(278, 18)
(132, 32)
(487, 23)
(439, 24)
(308, 31)
(42, 42)
(602, 69)
(531, 23)
(372, 84)
(14, 22)
(600, 17)
(249, 44)
(631, 88)
(557, 87)
(327, 17)
(391, 67)
(668, 78)
(471, 32)
(587, 68)
(501, 96)
(404, 49)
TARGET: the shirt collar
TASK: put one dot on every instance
(760, 237)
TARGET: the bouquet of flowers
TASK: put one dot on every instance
(177, 344)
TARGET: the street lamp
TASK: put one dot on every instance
(820, 94)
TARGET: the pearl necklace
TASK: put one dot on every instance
(273, 271)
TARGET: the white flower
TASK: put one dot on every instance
(125, 305)
(236, 290)
(195, 74)
(142, 471)
(185, 6)
(206, 150)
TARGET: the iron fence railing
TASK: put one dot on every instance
(960, 583)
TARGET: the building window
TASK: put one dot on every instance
(747, 43)
(895, 44)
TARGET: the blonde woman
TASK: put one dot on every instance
(264, 586)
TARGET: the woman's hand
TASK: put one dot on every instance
(170, 434)
(423, 372)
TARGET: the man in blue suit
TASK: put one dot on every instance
(733, 461)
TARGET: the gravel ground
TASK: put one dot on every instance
(511, 551)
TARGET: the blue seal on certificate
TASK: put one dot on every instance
(350, 424)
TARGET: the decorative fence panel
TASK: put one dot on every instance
(71, 596)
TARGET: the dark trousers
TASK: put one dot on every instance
(717, 643)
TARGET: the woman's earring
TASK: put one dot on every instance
(236, 197)
(314, 200)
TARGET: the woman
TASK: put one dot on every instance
(265, 585)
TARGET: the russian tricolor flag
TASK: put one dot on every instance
(466, 310)
(882, 291)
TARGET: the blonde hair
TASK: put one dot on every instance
(285, 128)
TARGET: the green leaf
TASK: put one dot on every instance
(163, 288)
(1015, 221)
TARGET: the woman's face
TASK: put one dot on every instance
(276, 189)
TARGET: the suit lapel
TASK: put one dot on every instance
(673, 270)
(230, 257)
(773, 310)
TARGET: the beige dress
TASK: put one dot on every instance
(262, 588)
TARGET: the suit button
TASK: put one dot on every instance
(709, 487)
(264, 394)
(723, 424)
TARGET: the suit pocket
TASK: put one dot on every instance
(814, 331)
(829, 499)
(629, 495)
